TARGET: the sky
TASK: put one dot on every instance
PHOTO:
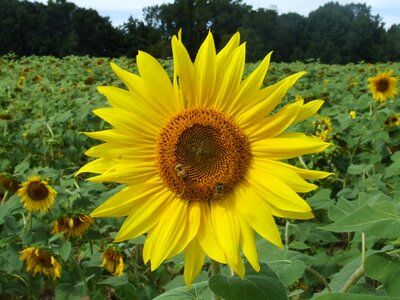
(120, 10)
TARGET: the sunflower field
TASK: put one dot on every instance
(51, 248)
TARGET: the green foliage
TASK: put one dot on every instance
(351, 247)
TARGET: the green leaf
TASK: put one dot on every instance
(263, 285)
(196, 291)
(386, 269)
(381, 219)
(8, 207)
(115, 281)
(288, 271)
(343, 296)
(65, 250)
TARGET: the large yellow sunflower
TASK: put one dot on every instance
(41, 261)
(201, 156)
(36, 194)
(383, 86)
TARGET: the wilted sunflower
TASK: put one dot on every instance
(383, 86)
(73, 225)
(36, 194)
(41, 261)
(112, 261)
(201, 156)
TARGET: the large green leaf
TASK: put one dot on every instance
(381, 219)
(345, 296)
(197, 291)
(386, 269)
(262, 285)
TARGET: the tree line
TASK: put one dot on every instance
(333, 33)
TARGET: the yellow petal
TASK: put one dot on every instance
(194, 260)
(286, 175)
(146, 215)
(205, 72)
(168, 231)
(154, 75)
(275, 125)
(226, 228)
(309, 109)
(232, 76)
(128, 122)
(126, 201)
(126, 100)
(248, 243)
(191, 228)
(98, 166)
(206, 236)
(287, 145)
(249, 88)
(125, 173)
(277, 192)
(254, 210)
(183, 67)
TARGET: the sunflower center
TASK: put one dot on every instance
(382, 85)
(37, 191)
(202, 154)
(44, 259)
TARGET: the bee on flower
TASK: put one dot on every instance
(39, 260)
(36, 194)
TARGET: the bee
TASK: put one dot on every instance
(219, 188)
(181, 172)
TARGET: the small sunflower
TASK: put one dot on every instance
(41, 261)
(353, 114)
(323, 128)
(113, 261)
(202, 156)
(393, 120)
(73, 225)
(383, 86)
(37, 194)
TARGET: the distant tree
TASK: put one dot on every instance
(392, 46)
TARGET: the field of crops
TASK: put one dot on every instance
(348, 251)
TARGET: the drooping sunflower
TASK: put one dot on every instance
(113, 261)
(74, 225)
(37, 194)
(383, 86)
(39, 260)
(201, 157)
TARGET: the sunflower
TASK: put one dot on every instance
(39, 260)
(201, 156)
(383, 86)
(323, 128)
(112, 261)
(36, 194)
(353, 114)
(73, 225)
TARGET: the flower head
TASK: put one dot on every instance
(73, 225)
(323, 128)
(112, 261)
(39, 260)
(383, 86)
(36, 194)
(353, 114)
(201, 156)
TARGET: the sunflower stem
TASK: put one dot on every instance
(320, 277)
(216, 270)
(79, 269)
(302, 162)
(4, 198)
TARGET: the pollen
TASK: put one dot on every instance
(201, 154)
